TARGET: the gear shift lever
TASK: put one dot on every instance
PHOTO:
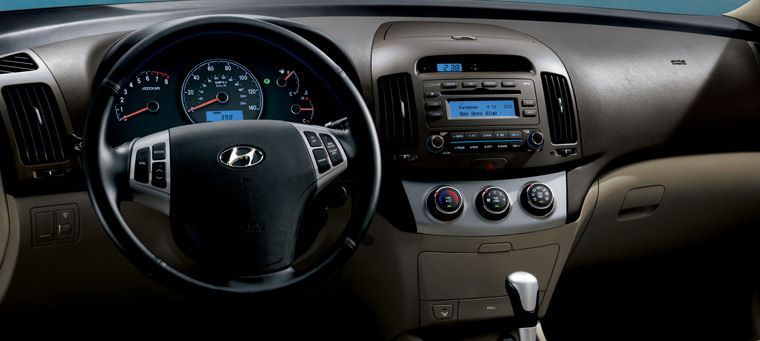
(522, 288)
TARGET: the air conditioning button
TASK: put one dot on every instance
(445, 203)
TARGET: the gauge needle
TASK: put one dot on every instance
(203, 105)
(133, 114)
(290, 74)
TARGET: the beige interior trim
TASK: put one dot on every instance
(749, 12)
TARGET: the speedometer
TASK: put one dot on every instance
(221, 90)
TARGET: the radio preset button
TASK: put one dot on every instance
(450, 85)
(488, 147)
(508, 84)
(473, 148)
(472, 135)
(515, 134)
(502, 146)
(457, 136)
(500, 134)
(433, 105)
(486, 135)
(469, 84)
(529, 102)
(489, 84)
(435, 115)
(529, 112)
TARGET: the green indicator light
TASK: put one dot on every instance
(449, 206)
(497, 206)
(267, 81)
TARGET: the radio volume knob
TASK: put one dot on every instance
(536, 140)
(445, 203)
(435, 143)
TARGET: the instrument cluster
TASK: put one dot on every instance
(218, 78)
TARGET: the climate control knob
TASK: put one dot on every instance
(536, 140)
(435, 143)
(445, 203)
(537, 199)
(492, 203)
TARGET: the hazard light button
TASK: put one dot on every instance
(489, 164)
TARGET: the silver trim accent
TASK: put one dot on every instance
(459, 207)
(526, 334)
(527, 287)
(536, 207)
(330, 175)
(234, 157)
(471, 223)
(39, 116)
(147, 194)
(483, 198)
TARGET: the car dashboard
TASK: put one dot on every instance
(514, 137)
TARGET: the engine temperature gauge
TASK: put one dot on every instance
(303, 110)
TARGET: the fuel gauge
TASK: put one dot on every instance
(303, 109)
(289, 81)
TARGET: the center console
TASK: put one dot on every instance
(478, 122)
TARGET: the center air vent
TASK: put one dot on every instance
(18, 62)
(559, 105)
(397, 110)
(37, 123)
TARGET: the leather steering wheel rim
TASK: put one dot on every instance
(104, 166)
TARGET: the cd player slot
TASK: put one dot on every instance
(480, 92)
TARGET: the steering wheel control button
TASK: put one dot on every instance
(312, 138)
(142, 165)
(537, 199)
(492, 203)
(445, 203)
(332, 149)
(159, 175)
(159, 151)
(323, 164)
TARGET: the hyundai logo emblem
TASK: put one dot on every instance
(241, 156)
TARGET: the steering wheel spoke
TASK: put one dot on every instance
(150, 171)
(328, 156)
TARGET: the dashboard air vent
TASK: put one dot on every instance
(397, 110)
(559, 105)
(37, 123)
(18, 62)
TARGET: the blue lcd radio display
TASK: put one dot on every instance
(450, 67)
(502, 108)
(227, 115)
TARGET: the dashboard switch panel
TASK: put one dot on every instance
(469, 221)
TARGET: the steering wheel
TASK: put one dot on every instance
(235, 191)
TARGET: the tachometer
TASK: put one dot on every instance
(221, 90)
(140, 95)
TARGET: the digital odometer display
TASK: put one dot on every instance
(449, 67)
(221, 85)
(502, 108)
(227, 115)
